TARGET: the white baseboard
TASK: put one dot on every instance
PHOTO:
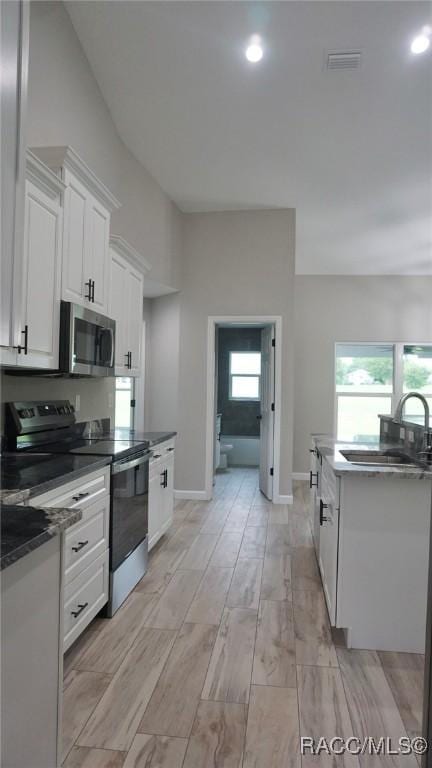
(192, 495)
(283, 499)
(300, 475)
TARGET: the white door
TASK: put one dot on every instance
(41, 279)
(135, 320)
(74, 238)
(267, 412)
(118, 311)
(97, 258)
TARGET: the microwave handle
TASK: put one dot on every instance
(111, 332)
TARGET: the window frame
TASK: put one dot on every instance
(232, 397)
(398, 377)
(132, 400)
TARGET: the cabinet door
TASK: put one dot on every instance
(41, 279)
(154, 507)
(118, 310)
(97, 254)
(168, 493)
(74, 239)
(328, 554)
(135, 320)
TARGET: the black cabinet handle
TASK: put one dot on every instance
(323, 518)
(89, 294)
(24, 348)
(79, 546)
(80, 496)
(157, 455)
(259, 417)
(170, 449)
(164, 475)
(92, 290)
(127, 360)
(81, 608)
(311, 476)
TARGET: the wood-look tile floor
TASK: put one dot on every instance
(223, 656)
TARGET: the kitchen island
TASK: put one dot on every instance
(371, 530)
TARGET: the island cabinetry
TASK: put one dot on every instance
(32, 667)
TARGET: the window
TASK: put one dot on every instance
(124, 393)
(364, 389)
(417, 377)
(371, 378)
(245, 375)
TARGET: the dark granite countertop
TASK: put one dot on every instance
(24, 529)
(153, 438)
(26, 475)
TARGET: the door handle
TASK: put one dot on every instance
(80, 545)
(81, 608)
(323, 518)
(24, 348)
(311, 476)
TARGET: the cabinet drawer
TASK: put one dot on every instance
(80, 493)
(329, 485)
(84, 596)
(86, 540)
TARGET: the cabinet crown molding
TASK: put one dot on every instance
(43, 177)
(57, 158)
(123, 248)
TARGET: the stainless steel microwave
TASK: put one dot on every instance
(87, 341)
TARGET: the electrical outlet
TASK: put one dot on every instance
(77, 403)
(410, 436)
(402, 433)
(110, 400)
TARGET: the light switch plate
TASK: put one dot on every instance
(110, 400)
(77, 403)
(410, 436)
(385, 427)
(402, 433)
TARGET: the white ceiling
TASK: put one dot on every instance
(351, 151)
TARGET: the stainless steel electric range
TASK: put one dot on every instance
(50, 426)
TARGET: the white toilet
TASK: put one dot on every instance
(225, 449)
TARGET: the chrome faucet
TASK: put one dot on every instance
(399, 413)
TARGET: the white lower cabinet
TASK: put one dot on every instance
(161, 491)
(85, 560)
(373, 558)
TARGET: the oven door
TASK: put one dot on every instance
(87, 341)
(129, 507)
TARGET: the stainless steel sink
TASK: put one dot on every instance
(379, 458)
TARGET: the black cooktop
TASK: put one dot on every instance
(114, 448)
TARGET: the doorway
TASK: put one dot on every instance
(243, 390)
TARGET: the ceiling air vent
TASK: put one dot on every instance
(343, 60)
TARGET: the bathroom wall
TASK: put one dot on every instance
(238, 418)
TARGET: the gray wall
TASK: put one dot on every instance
(238, 417)
(336, 308)
(162, 363)
(234, 263)
(66, 107)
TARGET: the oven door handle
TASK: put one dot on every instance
(122, 466)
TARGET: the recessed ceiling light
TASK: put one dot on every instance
(421, 42)
(254, 51)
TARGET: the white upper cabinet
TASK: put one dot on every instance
(87, 212)
(38, 314)
(126, 305)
